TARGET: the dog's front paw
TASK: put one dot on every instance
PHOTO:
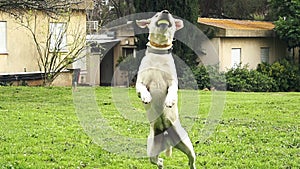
(146, 97)
(170, 100)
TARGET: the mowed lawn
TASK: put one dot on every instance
(39, 128)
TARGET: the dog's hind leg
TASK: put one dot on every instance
(154, 153)
(154, 148)
(157, 161)
(187, 148)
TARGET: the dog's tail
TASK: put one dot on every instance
(169, 152)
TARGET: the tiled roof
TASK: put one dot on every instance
(237, 24)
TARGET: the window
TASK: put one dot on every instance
(58, 37)
(3, 37)
(235, 57)
(127, 52)
(264, 54)
(92, 25)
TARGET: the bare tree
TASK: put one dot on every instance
(52, 8)
(48, 23)
(108, 10)
(54, 52)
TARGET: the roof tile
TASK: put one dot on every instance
(237, 24)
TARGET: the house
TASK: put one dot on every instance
(242, 41)
(19, 54)
(105, 49)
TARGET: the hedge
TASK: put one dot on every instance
(279, 76)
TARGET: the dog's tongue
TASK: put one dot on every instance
(163, 21)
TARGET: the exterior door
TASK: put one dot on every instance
(106, 68)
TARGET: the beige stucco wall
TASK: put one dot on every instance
(93, 69)
(22, 52)
(250, 50)
(20, 47)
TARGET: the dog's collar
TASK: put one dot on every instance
(159, 51)
(159, 45)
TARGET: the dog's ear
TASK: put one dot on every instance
(143, 23)
(178, 24)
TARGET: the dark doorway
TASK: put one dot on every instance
(106, 68)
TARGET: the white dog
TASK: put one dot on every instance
(157, 86)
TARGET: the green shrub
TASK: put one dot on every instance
(261, 83)
(285, 74)
(279, 76)
(202, 77)
(217, 78)
(243, 79)
(209, 77)
(236, 79)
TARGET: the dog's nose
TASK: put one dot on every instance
(165, 12)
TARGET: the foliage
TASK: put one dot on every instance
(261, 83)
(209, 77)
(288, 24)
(40, 129)
(246, 9)
(285, 8)
(236, 79)
(243, 79)
(242, 9)
(202, 77)
(123, 7)
(185, 9)
(280, 76)
(288, 30)
(285, 74)
(211, 8)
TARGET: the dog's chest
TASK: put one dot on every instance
(162, 63)
(157, 71)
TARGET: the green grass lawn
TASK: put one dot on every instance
(41, 129)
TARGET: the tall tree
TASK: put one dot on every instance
(123, 7)
(187, 9)
(109, 10)
(212, 8)
(237, 9)
(245, 9)
(287, 25)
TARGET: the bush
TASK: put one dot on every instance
(202, 77)
(237, 79)
(285, 74)
(243, 79)
(209, 77)
(280, 76)
(261, 83)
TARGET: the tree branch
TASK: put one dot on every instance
(52, 8)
